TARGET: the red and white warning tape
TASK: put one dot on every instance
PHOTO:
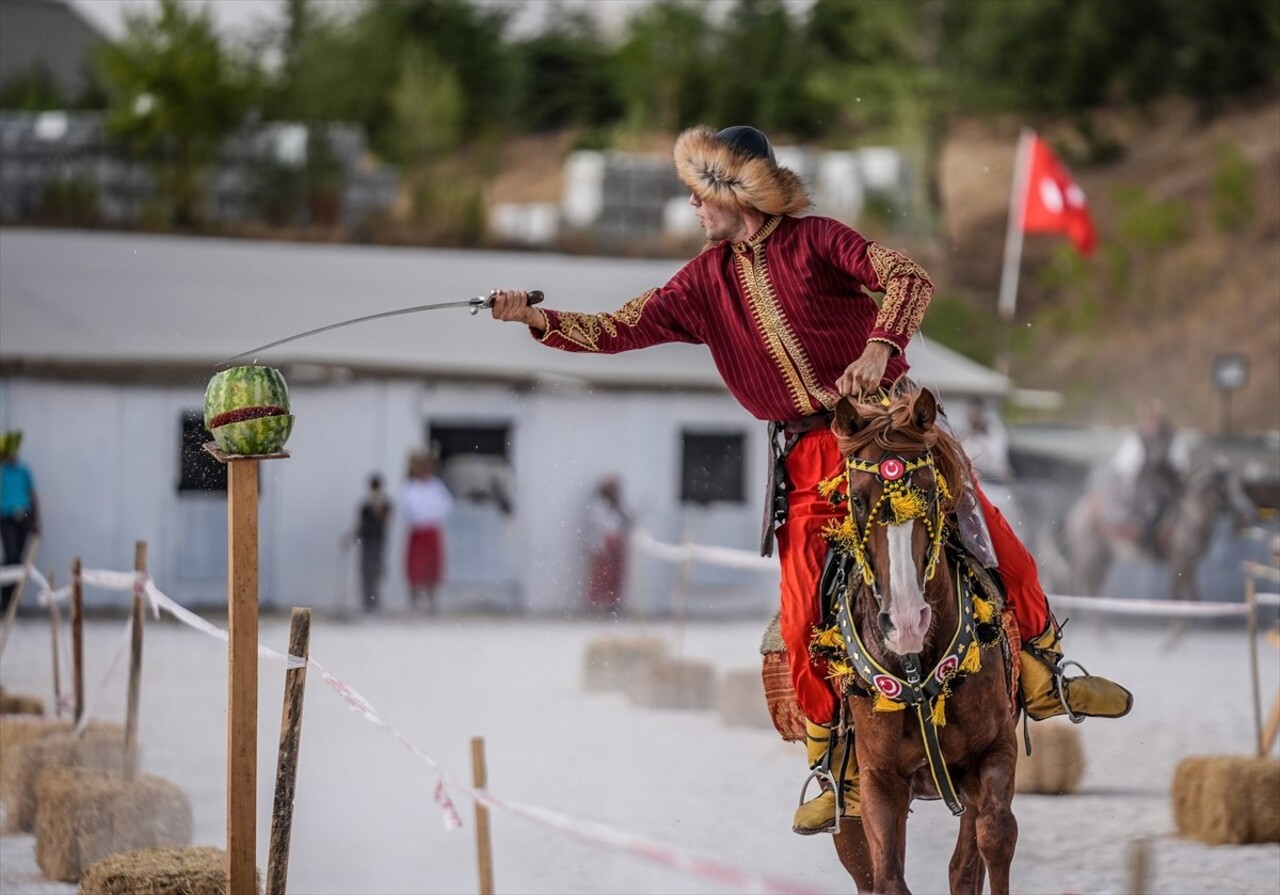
(590, 832)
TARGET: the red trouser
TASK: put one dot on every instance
(802, 550)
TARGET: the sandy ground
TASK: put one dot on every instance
(366, 823)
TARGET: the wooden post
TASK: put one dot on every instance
(54, 625)
(295, 685)
(77, 640)
(1251, 598)
(135, 664)
(11, 611)
(484, 848)
(242, 676)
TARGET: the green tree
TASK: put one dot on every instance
(663, 68)
(174, 95)
(565, 79)
(427, 105)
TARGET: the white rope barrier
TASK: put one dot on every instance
(720, 556)
(590, 832)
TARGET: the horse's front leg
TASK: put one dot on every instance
(886, 797)
(965, 871)
(995, 827)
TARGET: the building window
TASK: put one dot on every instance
(712, 467)
(199, 470)
(474, 462)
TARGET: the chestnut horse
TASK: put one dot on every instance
(930, 703)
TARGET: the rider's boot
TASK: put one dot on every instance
(1044, 684)
(818, 815)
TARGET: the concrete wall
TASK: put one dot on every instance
(106, 460)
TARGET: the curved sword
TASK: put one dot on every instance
(477, 304)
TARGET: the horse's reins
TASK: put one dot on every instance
(921, 693)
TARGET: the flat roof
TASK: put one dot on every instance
(109, 300)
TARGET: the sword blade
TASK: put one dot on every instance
(477, 303)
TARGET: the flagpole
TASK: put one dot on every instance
(1013, 245)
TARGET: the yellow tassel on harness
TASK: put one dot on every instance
(885, 704)
(827, 487)
(907, 504)
(972, 659)
(940, 711)
(982, 609)
(837, 668)
(828, 637)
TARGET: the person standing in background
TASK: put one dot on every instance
(371, 534)
(608, 525)
(19, 508)
(426, 505)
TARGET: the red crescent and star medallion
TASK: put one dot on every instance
(892, 469)
(887, 685)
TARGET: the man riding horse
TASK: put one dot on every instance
(781, 300)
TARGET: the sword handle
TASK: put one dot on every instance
(486, 301)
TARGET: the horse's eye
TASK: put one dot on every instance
(859, 503)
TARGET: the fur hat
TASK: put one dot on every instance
(737, 166)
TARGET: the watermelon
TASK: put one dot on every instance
(246, 409)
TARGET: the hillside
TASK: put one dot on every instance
(1168, 291)
(1191, 288)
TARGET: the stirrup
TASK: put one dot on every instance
(1060, 681)
(822, 773)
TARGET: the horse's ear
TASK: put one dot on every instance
(847, 421)
(926, 409)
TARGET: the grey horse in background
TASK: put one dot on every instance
(1095, 533)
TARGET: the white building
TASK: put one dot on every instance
(107, 341)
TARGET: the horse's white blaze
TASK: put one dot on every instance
(908, 611)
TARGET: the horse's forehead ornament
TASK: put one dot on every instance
(892, 469)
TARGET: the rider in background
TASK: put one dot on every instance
(1150, 467)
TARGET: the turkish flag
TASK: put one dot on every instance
(1054, 202)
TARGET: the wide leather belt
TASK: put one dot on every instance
(783, 435)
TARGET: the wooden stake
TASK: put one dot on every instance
(295, 685)
(77, 640)
(484, 848)
(242, 676)
(54, 619)
(1251, 598)
(11, 611)
(1273, 728)
(135, 665)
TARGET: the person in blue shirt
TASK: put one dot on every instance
(19, 509)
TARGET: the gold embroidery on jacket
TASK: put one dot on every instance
(584, 330)
(907, 290)
(780, 340)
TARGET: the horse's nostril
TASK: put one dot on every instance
(886, 624)
(926, 615)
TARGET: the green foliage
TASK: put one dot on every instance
(564, 77)
(1147, 224)
(427, 106)
(1077, 308)
(958, 324)
(174, 96)
(1233, 190)
(33, 90)
(663, 68)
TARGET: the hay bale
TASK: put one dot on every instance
(101, 749)
(19, 704)
(15, 729)
(742, 701)
(1056, 763)
(83, 816)
(611, 662)
(667, 683)
(160, 871)
(1227, 799)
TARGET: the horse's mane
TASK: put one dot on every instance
(895, 427)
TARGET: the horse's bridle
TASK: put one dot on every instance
(906, 502)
